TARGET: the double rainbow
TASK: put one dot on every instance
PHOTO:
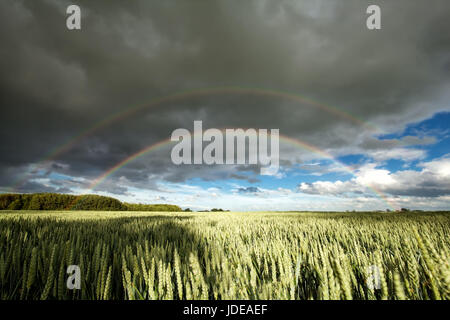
(190, 94)
(285, 139)
(186, 95)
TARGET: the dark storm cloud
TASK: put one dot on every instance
(248, 190)
(242, 177)
(36, 187)
(371, 143)
(57, 83)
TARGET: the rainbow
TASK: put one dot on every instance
(189, 94)
(124, 162)
(289, 140)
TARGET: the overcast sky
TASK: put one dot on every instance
(76, 103)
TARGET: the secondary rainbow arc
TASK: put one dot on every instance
(121, 115)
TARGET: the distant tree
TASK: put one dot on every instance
(7, 198)
(152, 207)
(35, 203)
(56, 201)
(95, 202)
(15, 205)
(187, 210)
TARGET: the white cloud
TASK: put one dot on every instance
(398, 153)
(440, 167)
(369, 175)
(327, 187)
(432, 181)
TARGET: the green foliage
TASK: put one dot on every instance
(56, 201)
(7, 199)
(94, 202)
(152, 207)
(139, 255)
(15, 205)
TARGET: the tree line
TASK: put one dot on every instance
(57, 201)
(151, 207)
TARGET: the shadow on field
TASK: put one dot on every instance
(95, 243)
(158, 229)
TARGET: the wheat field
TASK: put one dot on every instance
(137, 255)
